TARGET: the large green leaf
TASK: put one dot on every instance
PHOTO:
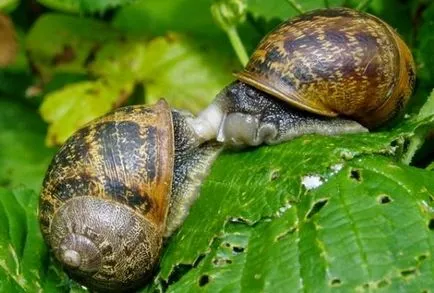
(23, 154)
(312, 214)
(368, 227)
(24, 265)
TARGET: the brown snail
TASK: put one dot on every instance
(321, 64)
(116, 188)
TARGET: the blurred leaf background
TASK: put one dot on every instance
(258, 225)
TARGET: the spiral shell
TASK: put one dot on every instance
(335, 62)
(106, 194)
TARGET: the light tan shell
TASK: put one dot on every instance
(335, 62)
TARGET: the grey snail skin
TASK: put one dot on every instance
(328, 71)
(117, 188)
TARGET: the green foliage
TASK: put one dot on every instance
(283, 9)
(364, 228)
(81, 6)
(23, 156)
(317, 214)
(8, 5)
(24, 265)
(238, 203)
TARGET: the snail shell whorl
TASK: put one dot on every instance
(335, 62)
(105, 197)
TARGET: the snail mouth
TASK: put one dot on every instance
(80, 253)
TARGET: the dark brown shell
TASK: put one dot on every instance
(107, 193)
(335, 62)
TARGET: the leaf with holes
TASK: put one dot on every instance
(267, 218)
(24, 265)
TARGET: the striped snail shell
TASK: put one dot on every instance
(324, 63)
(116, 188)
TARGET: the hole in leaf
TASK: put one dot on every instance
(227, 244)
(383, 283)
(366, 286)
(406, 145)
(274, 175)
(178, 272)
(422, 257)
(407, 273)
(317, 206)
(336, 282)
(238, 249)
(384, 199)
(431, 224)
(394, 143)
(204, 279)
(221, 261)
(182, 269)
(355, 175)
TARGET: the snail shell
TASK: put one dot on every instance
(335, 62)
(306, 72)
(105, 197)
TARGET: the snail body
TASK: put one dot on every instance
(116, 188)
(321, 64)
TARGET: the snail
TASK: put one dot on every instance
(116, 188)
(319, 65)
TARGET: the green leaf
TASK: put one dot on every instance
(428, 108)
(62, 43)
(157, 17)
(424, 56)
(308, 215)
(8, 5)
(84, 5)
(172, 67)
(23, 155)
(24, 265)
(73, 106)
(283, 10)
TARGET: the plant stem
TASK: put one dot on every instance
(238, 46)
(363, 4)
(326, 4)
(296, 6)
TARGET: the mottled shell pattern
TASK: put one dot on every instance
(335, 62)
(105, 197)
